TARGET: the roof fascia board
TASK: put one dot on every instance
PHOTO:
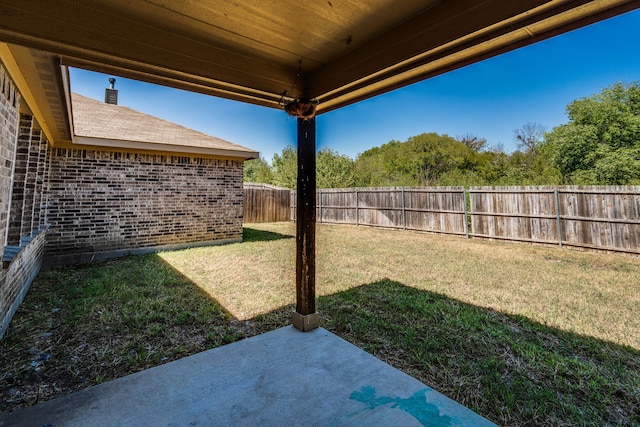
(148, 146)
(172, 78)
(21, 82)
(66, 85)
(94, 61)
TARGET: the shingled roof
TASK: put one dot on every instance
(99, 123)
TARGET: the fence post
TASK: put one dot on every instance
(465, 219)
(357, 218)
(320, 205)
(558, 222)
(404, 212)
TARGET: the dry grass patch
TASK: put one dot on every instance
(250, 279)
(586, 293)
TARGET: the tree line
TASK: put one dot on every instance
(600, 145)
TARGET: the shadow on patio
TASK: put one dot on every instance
(80, 326)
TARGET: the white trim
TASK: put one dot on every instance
(66, 85)
(138, 145)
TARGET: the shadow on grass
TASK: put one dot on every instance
(83, 325)
(507, 368)
(253, 235)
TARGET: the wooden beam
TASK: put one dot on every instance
(448, 24)
(305, 317)
(146, 38)
(431, 48)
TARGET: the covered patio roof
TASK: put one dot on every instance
(336, 52)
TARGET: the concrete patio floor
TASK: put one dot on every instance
(280, 378)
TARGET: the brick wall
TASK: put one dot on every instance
(101, 202)
(19, 199)
(39, 200)
(26, 208)
(20, 264)
(9, 117)
(16, 278)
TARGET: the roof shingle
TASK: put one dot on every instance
(101, 121)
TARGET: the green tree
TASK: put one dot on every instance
(495, 167)
(334, 170)
(434, 155)
(421, 160)
(601, 142)
(285, 167)
(368, 169)
(258, 170)
(384, 166)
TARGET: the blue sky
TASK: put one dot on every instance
(489, 99)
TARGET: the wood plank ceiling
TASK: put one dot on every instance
(252, 51)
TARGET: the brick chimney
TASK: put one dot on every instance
(110, 93)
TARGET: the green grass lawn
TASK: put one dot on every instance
(524, 335)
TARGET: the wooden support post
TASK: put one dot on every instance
(305, 317)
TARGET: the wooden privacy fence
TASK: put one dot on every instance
(591, 217)
(433, 209)
(266, 203)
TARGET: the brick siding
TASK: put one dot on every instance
(20, 264)
(100, 201)
(9, 118)
(20, 175)
(17, 277)
(26, 208)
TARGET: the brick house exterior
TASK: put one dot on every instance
(105, 200)
(122, 182)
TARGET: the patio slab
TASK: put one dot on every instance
(280, 378)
